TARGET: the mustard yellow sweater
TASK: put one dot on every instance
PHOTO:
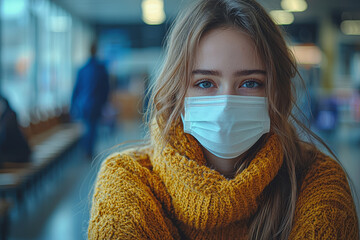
(172, 194)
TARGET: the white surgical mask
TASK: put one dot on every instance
(226, 125)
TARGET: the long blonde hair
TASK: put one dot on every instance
(168, 94)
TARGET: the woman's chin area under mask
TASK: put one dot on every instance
(226, 167)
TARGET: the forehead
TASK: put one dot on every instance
(229, 48)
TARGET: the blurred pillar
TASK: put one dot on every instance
(329, 44)
(36, 60)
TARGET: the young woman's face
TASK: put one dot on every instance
(226, 63)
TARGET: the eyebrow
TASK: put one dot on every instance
(238, 73)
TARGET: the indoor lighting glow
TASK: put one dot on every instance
(294, 5)
(153, 12)
(59, 24)
(12, 9)
(281, 17)
(350, 27)
(307, 54)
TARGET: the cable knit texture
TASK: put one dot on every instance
(169, 193)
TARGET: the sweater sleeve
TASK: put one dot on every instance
(124, 206)
(325, 208)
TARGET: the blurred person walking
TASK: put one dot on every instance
(89, 97)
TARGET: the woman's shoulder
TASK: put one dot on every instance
(324, 170)
(134, 162)
(325, 200)
(133, 157)
(128, 199)
(323, 175)
(316, 164)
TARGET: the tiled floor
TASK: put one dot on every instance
(63, 210)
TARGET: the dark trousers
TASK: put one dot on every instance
(89, 138)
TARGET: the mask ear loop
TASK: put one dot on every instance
(185, 125)
(182, 114)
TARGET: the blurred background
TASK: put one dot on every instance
(44, 190)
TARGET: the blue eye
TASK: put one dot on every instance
(251, 84)
(205, 84)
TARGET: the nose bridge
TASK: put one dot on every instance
(228, 88)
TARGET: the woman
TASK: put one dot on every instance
(224, 160)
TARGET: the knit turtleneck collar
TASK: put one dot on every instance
(202, 198)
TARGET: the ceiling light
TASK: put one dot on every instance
(153, 12)
(294, 5)
(282, 17)
(60, 24)
(350, 27)
(12, 9)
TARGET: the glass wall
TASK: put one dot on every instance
(17, 54)
(41, 46)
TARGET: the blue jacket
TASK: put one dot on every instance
(91, 90)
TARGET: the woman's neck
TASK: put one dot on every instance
(226, 167)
